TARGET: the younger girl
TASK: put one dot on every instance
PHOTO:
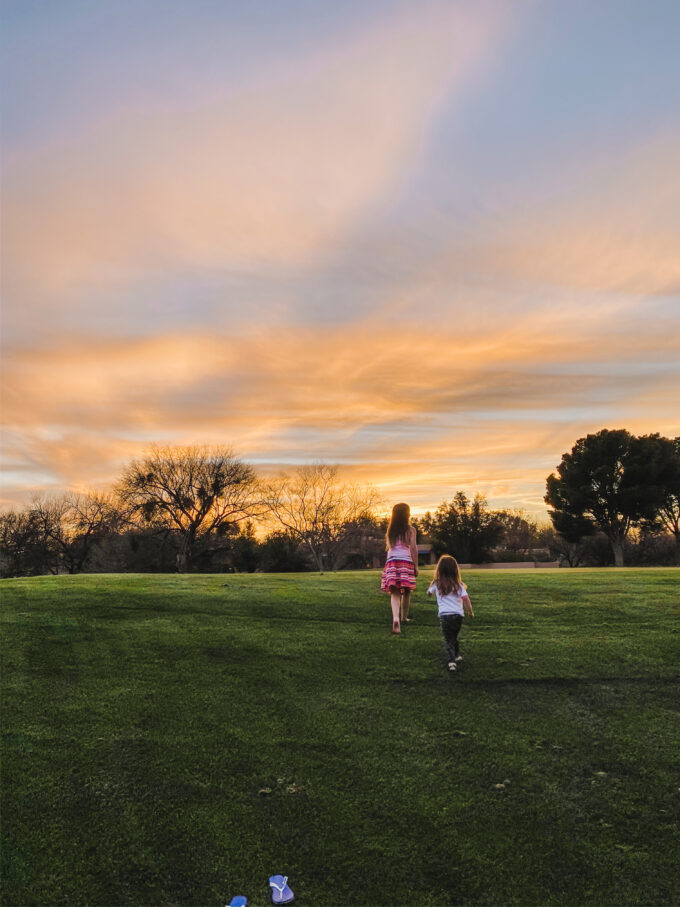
(401, 567)
(453, 602)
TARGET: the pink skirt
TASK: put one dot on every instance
(398, 573)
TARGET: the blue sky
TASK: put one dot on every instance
(434, 242)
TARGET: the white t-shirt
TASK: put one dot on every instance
(451, 603)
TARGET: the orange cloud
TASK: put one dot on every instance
(358, 374)
(430, 413)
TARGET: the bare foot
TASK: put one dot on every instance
(395, 627)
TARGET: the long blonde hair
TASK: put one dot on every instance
(447, 576)
(398, 525)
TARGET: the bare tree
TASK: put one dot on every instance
(315, 507)
(87, 520)
(57, 533)
(668, 517)
(571, 552)
(19, 555)
(192, 492)
(47, 522)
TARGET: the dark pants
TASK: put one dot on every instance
(451, 624)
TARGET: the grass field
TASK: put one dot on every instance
(175, 740)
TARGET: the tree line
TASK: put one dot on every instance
(194, 508)
(614, 498)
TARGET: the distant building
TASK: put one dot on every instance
(426, 555)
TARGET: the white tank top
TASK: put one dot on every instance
(399, 552)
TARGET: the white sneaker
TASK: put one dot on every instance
(458, 658)
(452, 666)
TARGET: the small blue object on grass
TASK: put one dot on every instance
(238, 901)
(281, 892)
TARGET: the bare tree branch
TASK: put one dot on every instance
(192, 491)
(315, 507)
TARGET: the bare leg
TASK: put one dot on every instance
(395, 602)
(405, 603)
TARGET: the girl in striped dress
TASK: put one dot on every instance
(401, 567)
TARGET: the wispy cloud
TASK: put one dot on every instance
(274, 169)
(452, 408)
(615, 227)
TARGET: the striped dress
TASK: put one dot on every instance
(399, 570)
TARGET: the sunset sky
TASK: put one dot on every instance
(434, 242)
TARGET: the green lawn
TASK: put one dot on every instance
(176, 740)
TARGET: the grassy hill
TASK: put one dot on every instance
(175, 740)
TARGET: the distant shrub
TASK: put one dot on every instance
(652, 551)
(280, 552)
(508, 556)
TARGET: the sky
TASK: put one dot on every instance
(435, 242)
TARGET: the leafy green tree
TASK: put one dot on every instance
(610, 482)
(520, 532)
(464, 528)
